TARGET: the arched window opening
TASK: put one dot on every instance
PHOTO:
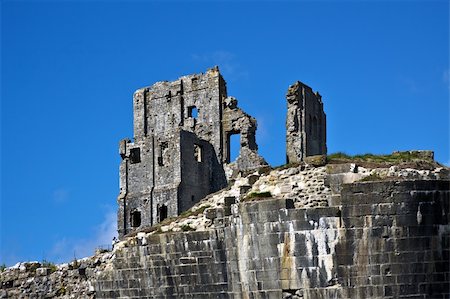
(135, 219)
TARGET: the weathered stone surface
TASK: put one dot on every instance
(304, 230)
(181, 145)
(385, 239)
(305, 123)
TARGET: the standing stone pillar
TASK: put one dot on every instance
(305, 123)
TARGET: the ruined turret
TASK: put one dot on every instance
(305, 123)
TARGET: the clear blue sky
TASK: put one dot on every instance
(69, 69)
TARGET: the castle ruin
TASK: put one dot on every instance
(306, 124)
(315, 228)
(181, 148)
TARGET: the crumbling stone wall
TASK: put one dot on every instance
(305, 123)
(33, 280)
(385, 239)
(180, 148)
(389, 239)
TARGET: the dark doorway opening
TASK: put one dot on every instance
(162, 211)
(135, 218)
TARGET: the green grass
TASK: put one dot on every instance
(286, 166)
(372, 177)
(256, 195)
(2, 267)
(393, 158)
(187, 228)
(190, 212)
(50, 265)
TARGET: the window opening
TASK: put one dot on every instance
(192, 112)
(234, 146)
(198, 153)
(192, 198)
(135, 218)
(162, 153)
(162, 211)
(135, 155)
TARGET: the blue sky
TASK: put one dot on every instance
(69, 69)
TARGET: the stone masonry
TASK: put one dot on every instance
(181, 145)
(312, 229)
(305, 123)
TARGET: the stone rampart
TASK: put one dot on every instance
(386, 239)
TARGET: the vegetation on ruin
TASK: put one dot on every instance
(50, 265)
(397, 157)
(157, 228)
(257, 195)
(372, 177)
(187, 228)
(61, 291)
(2, 267)
(286, 166)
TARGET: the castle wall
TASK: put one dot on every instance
(202, 173)
(151, 170)
(305, 124)
(171, 119)
(389, 240)
(396, 240)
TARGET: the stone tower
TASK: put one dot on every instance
(181, 141)
(305, 123)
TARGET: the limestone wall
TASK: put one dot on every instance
(389, 239)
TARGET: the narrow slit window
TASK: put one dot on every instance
(162, 153)
(198, 153)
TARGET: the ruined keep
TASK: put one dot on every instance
(181, 148)
(305, 123)
(318, 227)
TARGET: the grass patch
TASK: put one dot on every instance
(286, 166)
(394, 158)
(189, 212)
(32, 267)
(257, 195)
(372, 177)
(187, 228)
(61, 291)
(50, 265)
(2, 267)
